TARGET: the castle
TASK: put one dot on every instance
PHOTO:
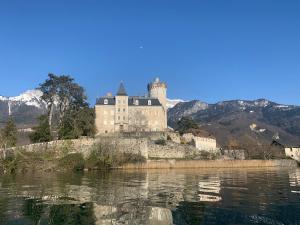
(123, 113)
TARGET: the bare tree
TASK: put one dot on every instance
(138, 122)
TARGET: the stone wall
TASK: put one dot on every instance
(201, 143)
(234, 154)
(206, 144)
(81, 145)
(137, 146)
(174, 136)
(187, 138)
(84, 146)
(171, 150)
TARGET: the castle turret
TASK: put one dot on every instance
(158, 89)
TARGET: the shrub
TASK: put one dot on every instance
(42, 132)
(160, 142)
(105, 156)
(72, 161)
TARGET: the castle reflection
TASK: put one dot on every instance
(294, 178)
(159, 197)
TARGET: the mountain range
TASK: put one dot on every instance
(247, 122)
(259, 121)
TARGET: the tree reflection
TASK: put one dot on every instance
(189, 213)
(70, 214)
(33, 210)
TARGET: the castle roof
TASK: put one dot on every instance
(121, 90)
(142, 101)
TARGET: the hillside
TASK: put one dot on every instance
(247, 122)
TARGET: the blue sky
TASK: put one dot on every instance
(204, 49)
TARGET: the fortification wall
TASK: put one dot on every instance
(84, 146)
(170, 150)
(234, 154)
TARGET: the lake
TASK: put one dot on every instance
(153, 197)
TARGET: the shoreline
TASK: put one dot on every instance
(197, 164)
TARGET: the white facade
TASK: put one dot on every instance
(293, 152)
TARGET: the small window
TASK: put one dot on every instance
(118, 117)
(124, 110)
(123, 117)
(149, 102)
(105, 101)
(119, 110)
(136, 102)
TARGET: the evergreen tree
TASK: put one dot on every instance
(77, 123)
(63, 93)
(42, 132)
(185, 124)
(75, 118)
(9, 134)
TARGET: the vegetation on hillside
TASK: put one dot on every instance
(188, 125)
(185, 124)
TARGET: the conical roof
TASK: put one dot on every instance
(121, 90)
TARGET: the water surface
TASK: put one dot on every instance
(160, 197)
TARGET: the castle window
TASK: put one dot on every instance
(136, 102)
(149, 102)
(105, 101)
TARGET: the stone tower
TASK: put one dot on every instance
(121, 109)
(158, 89)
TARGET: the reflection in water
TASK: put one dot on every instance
(209, 190)
(295, 181)
(159, 197)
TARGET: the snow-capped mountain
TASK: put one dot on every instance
(172, 102)
(30, 98)
(24, 108)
